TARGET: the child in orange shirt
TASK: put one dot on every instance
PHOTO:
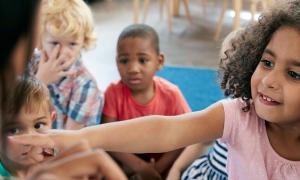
(141, 93)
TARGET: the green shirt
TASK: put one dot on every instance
(3, 171)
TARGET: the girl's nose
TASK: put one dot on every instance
(271, 80)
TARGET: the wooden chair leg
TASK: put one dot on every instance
(146, 7)
(204, 4)
(187, 10)
(176, 6)
(237, 4)
(220, 21)
(170, 14)
(253, 9)
(136, 7)
(161, 8)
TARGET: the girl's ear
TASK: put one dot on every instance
(53, 115)
(161, 61)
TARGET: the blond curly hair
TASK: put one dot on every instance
(68, 18)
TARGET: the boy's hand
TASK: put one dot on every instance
(54, 67)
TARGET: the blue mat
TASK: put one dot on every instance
(199, 86)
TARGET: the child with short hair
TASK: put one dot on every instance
(30, 112)
(141, 93)
(260, 124)
(67, 29)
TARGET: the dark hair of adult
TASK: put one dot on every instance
(17, 19)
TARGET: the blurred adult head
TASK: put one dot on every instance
(18, 29)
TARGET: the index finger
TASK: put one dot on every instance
(54, 53)
(41, 140)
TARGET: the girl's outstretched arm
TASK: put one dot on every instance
(141, 135)
(158, 133)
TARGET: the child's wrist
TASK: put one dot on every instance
(83, 135)
(40, 78)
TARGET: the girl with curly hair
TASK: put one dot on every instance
(260, 124)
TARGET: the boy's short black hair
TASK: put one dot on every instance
(141, 31)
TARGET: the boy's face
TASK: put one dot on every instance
(69, 46)
(137, 62)
(25, 123)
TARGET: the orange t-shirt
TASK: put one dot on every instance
(168, 100)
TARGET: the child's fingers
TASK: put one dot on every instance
(61, 60)
(76, 148)
(67, 63)
(67, 73)
(55, 53)
(44, 57)
(41, 140)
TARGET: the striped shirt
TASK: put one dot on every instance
(209, 167)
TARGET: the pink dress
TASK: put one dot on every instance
(250, 154)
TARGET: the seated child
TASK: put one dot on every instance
(31, 105)
(260, 124)
(213, 164)
(141, 93)
(67, 28)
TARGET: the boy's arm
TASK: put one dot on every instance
(85, 104)
(166, 161)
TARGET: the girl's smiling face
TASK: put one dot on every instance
(275, 84)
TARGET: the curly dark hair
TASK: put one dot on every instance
(236, 70)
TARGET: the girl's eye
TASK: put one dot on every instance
(39, 125)
(267, 64)
(294, 75)
(14, 131)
